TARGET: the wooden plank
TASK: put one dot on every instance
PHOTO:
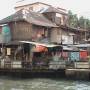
(81, 65)
(78, 70)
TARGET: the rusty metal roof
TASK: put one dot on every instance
(39, 19)
(29, 16)
(14, 17)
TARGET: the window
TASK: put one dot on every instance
(58, 15)
(31, 8)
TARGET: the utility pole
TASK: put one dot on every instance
(85, 30)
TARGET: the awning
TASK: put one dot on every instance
(67, 48)
(82, 45)
(40, 44)
(40, 49)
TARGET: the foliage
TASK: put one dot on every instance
(76, 22)
(73, 20)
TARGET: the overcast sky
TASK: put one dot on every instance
(80, 7)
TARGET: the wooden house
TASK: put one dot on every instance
(32, 24)
(45, 23)
(55, 15)
(26, 26)
(63, 34)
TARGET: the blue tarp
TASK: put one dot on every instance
(74, 56)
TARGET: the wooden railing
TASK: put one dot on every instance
(51, 65)
(28, 65)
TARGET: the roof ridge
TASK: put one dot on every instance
(32, 4)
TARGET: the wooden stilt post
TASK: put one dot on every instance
(31, 54)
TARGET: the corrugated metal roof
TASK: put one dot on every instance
(39, 19)
(14, 17)
(82, 45)
(75, 30)
(29, 16)
(55, 10)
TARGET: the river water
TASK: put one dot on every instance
(7, 83)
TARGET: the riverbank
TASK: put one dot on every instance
(70, 75)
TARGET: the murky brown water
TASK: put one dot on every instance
(7, 83)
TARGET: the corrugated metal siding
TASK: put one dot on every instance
(57, 34)
(67, 39)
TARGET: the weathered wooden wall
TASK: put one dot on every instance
(25, 31)
(21, 30)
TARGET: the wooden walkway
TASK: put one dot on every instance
(78, 70)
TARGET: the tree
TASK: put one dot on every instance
(73, 19)
(76, 22)
(81, 22)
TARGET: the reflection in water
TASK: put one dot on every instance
(42, 84)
